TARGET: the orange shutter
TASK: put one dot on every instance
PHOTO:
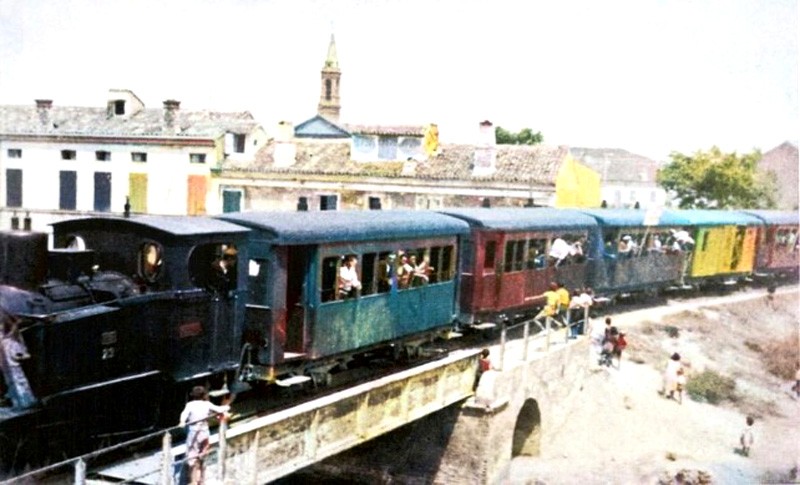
(198, 188)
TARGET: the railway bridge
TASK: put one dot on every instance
(423, 424)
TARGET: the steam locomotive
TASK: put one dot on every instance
(103, 335)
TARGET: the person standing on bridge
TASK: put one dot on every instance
(195, 415)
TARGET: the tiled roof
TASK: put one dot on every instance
(396, 130)
(82, 121)
(537, 164)
(617, 166)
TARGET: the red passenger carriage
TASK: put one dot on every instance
(513, 254)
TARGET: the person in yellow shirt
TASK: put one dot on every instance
(552, 299)
(563, 300)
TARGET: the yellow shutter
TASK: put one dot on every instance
(138, 192)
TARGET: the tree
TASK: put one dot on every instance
(714, 179)
(526, 136)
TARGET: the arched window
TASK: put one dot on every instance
(76, 242)
(150, 262)
(327, 90)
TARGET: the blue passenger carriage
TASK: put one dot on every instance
(636, 253)
(297, 311)
(514, 253)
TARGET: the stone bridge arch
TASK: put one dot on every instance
(515, 410)
(527, 430)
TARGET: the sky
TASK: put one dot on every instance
(647, 76)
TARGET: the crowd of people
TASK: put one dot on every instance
(567, 308)
(630, 245)
(400, 269)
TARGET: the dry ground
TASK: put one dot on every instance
(624, 431)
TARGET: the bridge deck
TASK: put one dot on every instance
(270, 447)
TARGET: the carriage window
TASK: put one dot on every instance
(257, 281)
(447, 264)
(515, 251)
(330, 270)
(435, 264)
(150, 261)
(536, 255)
(786, 239)
(214, 266)
(368, 281)
(566, 249)
(76, 242)
(385, 271)
(489, 255)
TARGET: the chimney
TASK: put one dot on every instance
(171, 108)
(43, 107)
(485, 150)
(285, 153)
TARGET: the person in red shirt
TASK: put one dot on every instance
(484, 364)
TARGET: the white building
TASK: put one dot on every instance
(58, 162)
(626, 179)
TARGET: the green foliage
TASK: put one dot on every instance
(526, 136)
(719, 180)
(672, 331)
(711, 387)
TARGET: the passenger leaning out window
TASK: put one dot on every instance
(349, 283)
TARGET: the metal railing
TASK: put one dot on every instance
(545, 331)
(168, 470)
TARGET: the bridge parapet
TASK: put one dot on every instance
(276, 445)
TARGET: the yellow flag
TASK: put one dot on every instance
(431, 139)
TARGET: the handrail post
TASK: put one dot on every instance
(223, 448)
(503, 338)
(547, 322)
(166, 459)
(525, 334)
(585, 320)
(568, 328)
(80, 472)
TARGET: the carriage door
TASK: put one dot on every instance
(297, 278)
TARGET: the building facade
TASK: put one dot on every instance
(781, 165)
(59, 162)
(626, 179)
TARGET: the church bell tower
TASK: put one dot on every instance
(329, 104)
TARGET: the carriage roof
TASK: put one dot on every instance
(171, 225)
(775, 217)
(523, 219)
(314, 227)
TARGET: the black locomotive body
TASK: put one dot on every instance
(126, 315)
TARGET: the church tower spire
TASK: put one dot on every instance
(329, 104)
